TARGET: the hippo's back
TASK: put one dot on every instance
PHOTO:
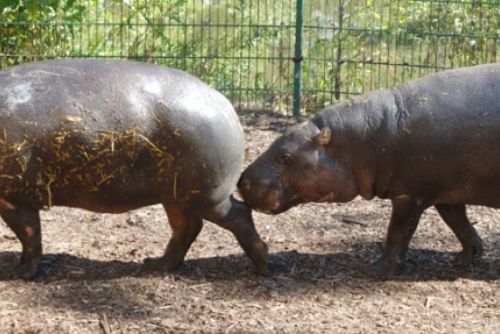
(104, 90)
(463, 93)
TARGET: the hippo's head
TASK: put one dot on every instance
(296, 169)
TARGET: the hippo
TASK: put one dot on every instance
(434, 141)
(113, 136)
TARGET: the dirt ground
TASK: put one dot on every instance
(317, 281)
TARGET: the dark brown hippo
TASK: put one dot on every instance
(430, 142)
(112, 136)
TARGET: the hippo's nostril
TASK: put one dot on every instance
(274, 194)
(244, 184)
(274, 199)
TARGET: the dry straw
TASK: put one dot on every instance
(73, 156)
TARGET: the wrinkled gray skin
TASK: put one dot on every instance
(430, 142)
(113, 136)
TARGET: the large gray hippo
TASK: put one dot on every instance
(434, 141)
(112, 136)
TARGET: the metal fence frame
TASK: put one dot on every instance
(282, 55)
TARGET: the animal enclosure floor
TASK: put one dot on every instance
(317, 282)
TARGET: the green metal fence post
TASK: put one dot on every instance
(338, 69)
(297, 72)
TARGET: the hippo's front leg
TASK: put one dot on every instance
(406, 213)
(236, 217)
(25, 223)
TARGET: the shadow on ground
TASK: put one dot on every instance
(118, 287)
(420, 265)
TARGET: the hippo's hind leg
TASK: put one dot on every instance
(185, 229)
(455, 217)
(406, 213)
(236, 216)
(25, 222)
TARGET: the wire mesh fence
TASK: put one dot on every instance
(246, 48)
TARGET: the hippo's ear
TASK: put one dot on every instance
(323, 137)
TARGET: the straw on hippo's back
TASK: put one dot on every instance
(111, 136)
(430, 142)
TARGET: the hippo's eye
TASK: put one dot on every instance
(285, 159)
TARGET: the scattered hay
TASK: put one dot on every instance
(75, 156)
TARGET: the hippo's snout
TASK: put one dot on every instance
(254, 191)
(262, 194)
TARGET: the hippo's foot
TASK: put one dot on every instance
(260, 257)
(468, 254)
(161, 264)
(383, 268)
(28, 269)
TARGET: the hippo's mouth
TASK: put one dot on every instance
(328, 197)
(279, 206)
(318, 196)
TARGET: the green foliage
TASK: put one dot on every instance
(37, 29)
(383, 43)
(245, 48)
